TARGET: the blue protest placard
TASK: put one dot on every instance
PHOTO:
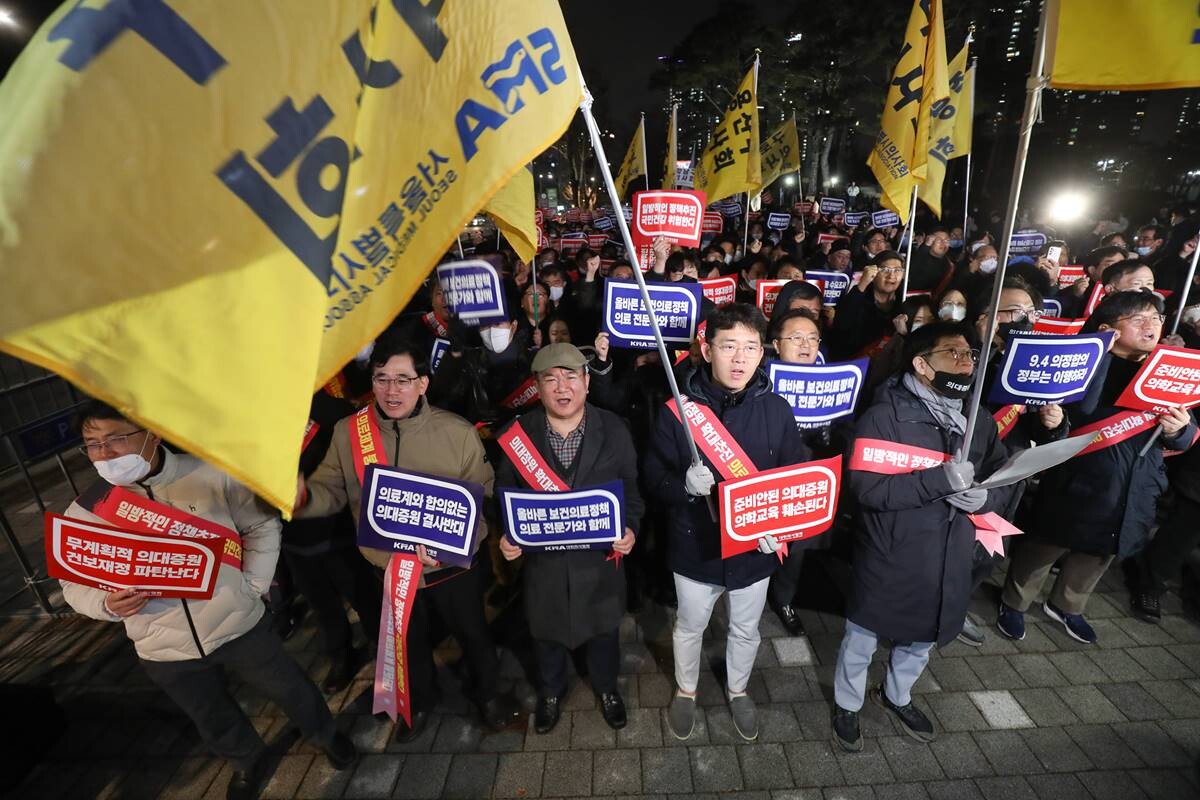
(836, 283)
(885, 219)
(819, 394)
(586, 519)
(1039, 370)
(473, 291)
(676, 305)
(1026, 243)
(1051, 307)
(854, 218)
(778, 222)
(729, 208)
(440, 346)
(604, 223)
(400, 510)
(832, 205)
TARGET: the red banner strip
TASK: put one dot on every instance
(891, 458)
(715, 441)
(124, 509)
(392, 694)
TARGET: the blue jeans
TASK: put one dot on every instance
(854, 659)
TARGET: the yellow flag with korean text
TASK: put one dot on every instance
(1083, 45)
(634, 163)
(950, 136)
(780, 152)
(512, 209)
(901, 149)
(208, 208)
(732, 163)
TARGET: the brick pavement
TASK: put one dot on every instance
(1042, 718)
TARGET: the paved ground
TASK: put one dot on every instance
(1043, 718)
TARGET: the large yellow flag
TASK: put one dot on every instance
(668, 181)
(1166, 54)
(208, 207)
(950, 136)
(634, 165)
(780, 152)
(511, 208)
(732, 163)
(901, 150)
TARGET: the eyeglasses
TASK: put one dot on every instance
(403, 382)
(891, 271)
(956, 354)
(113, 443)
(1021, 313)
(730, 348)
(801, 338)
(1144, 320)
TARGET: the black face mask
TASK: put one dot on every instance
(1005, 328)
(952, 385)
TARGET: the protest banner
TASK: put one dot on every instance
(885, 219)
(854, 218)
(1069, 275)
(819, 394)
(720, 290)
(440, 346)
(768, 292)
(731, 162)
(778, 222)
(569, 247)
(676, 305)
(473, 291)
(832, 205)
(111, 558)
(676, 215)
(596, 240)
(805, 207)
(1040, 370)
(789, 503)
(1051, 307)
(574, 215)
(1059, 325)
(713, 222)
(604, 223)
(583, 519)
(830, 238)
(729, 208)
(1169, 377)
(401, 509)
(391, 694)
(1026, 243)
(836, 284)
(627, 213)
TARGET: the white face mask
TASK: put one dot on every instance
(952, 313)
(556, 293)
(124, 470)
(729, 258)
(496, 339)
(752, 283)
(1144, 250)
(988, 265)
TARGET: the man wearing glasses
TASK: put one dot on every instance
(188, 646)
(864, 312)
(746, 428)
(405, 432)
(914, 543)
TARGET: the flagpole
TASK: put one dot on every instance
(598, 145)
(1033, 100)
(799, 164)
(1186, 290)
(758, 135)
(971, 143)
(746, 228)
(645, 160)
(912, 231)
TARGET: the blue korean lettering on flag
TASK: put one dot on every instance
(832, 205)
(885, 219)
(853, 218)
(1026, 243)
(440, 346)
(473, 291)
(586, 519)
(1039, 370)
(778, 222)
(818, 394)
(836, 284)
(402, 509)
(676, 305)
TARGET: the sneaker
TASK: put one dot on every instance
(745, 716)
(915, 723)
(1147, 608)
(846, 734)
(681, 716)
(971, 634)
(1011, 622)
(1075, 625)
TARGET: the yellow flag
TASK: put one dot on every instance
(634, 164)
(215, 207)
(780, 152)
(901, 150)
(950, 136)
(1084, 52)
(731, 163)
(668, 181)
(512, 210)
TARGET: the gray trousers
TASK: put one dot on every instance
(1077, 576)
(854, 658)
(696, 602)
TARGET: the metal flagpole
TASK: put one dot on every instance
(1033, 101)
(967, 180)
(645, 160)
(799, 164)
(746, 228)
(1186, 290)
(912, 231)
(458, 242)
(598, 145)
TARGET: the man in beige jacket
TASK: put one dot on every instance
(186, 646)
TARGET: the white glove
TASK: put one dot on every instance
(768, 544)
(960, 474)
(699, 480)
(969, 501)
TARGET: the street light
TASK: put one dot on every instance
(833, 180)
(789, 180)
(7, 20)
(1067, 207)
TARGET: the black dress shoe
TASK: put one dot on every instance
(247, 783)
(407, 733)
(613, 709)
(790, 619)
(342, 753)
(345, 667)
(500, 712)
(549, 709)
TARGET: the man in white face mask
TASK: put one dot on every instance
(187, 647)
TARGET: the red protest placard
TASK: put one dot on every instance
(539, 217)
(822, 238)
(104, 557)
(677, 215)
(1067, 327)
(789, 503)
(597, 240)
(712, 222)
(1169, 377)
(768, 292)
(720, 290)
(1070, 275)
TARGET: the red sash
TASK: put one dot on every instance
(124, 509)
(310, 432)
(714, 441)
(400, 582)
(1006, 419)
(522, 396)
(891, 458)
(365, 440)
(336, 387)
(434, 324)
(1116, 429)
(529, 462)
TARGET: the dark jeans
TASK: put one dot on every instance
(603, 663)
(328, 578)
(1164, 557)
(458, 601)
(200, 687)
(786, 579)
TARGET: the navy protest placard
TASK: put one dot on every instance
(885, 219)
(473, 291)
(778, 222)
(1040, 370)
(586, 519)
(676, 305)
(818, 394)
(402, 509)
(832, 205)
(836, 284)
